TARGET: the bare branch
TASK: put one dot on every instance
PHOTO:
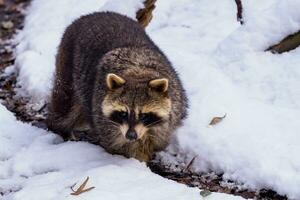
(239, 14)
(287, 44)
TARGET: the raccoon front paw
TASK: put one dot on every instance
(78, 136)
(143, 157)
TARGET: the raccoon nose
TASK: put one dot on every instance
(131, 135)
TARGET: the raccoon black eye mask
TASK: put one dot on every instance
(115, 87)
(119, 117)
(145, 120)
(148, 119)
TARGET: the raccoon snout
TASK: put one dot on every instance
(131, 135)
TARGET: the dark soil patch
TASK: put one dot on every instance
(212, 182)
(11, 19)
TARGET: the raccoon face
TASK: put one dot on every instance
(136, 107)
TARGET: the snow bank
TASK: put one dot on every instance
(35, 165)
(224, 69)
(228, 72)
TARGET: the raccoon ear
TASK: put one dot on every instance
(159, 85)
(114, 81)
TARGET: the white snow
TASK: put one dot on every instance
(35, 165)
(224, 69)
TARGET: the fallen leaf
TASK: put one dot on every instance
(205, 193)
(7, 25)
(81, 189)
(216, 120)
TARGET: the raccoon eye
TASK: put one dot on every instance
(119, 116)
(149, 119)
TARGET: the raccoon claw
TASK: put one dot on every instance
(78, 136)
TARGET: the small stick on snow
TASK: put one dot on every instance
(189, 165)
(239, 14)
(216, 120)
(81, 189)
(72, 187)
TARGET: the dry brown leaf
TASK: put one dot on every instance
(81, 189)
(216, 120)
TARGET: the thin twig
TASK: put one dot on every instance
(81, 189)
(72, 187)
(187, 169)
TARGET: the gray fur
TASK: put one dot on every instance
(102, 43)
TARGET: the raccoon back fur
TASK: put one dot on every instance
(115, 88)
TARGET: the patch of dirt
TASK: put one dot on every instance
(211, 182)
(11, 19)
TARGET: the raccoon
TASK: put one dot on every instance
(115, 88)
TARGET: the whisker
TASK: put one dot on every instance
(154, 123)
(151, 136)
